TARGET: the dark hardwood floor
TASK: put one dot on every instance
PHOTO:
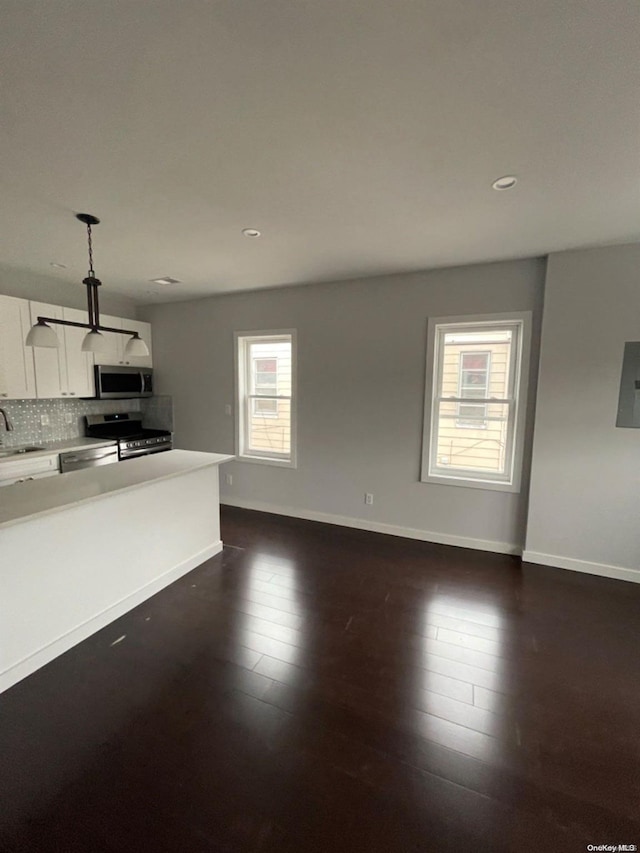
(315, 688)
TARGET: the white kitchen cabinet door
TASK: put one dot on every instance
(114, 353)
(26, 479)
(17, 373)
(117, 343)
(50, 364)
(79, 380)
(20, 470)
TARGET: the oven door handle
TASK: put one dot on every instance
(141, 382)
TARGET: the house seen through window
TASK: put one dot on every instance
(265, 371)
(473, 382)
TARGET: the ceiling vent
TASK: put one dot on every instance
(166, 279)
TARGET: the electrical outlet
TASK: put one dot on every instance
(68, 418)
(368, 498)
(44, 420)
(229, 479)
(227, 409)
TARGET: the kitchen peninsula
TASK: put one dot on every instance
(81, 549)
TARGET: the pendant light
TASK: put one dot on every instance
(94, 341)
(42, 335)
(135, 346)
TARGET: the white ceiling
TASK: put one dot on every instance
(360, 136)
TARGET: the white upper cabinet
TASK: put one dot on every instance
(65, 371)
(50, 363)
(117, 343)
(79, 377)
(17, 375)
(27, 372)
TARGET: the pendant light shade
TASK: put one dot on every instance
(42, 335)
(95, 342)
(135, 346)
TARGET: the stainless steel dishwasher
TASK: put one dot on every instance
(89, 457)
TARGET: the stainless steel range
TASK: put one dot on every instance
(126, 428)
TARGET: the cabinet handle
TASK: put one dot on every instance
(73, 393)
(64, 393)
(3, 394)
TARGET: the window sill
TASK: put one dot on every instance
(267, 460)
(467, 483)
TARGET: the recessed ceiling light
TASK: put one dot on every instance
(250, 232)
(165, 280)
(58, 266)
(505, 183)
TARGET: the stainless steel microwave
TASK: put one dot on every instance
(120, 383)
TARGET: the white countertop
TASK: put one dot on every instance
(51, 447)
(24, 501)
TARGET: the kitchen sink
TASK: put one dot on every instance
(18, 451)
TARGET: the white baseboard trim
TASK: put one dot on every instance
(377, 527)
(617, 572)
(16, 672)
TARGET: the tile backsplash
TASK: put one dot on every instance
(157, 412)
(39, 421)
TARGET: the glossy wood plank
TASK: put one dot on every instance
(321, 689)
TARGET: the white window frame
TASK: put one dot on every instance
(516, 402)
(244, 400)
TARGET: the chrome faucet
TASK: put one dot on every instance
(7, 421)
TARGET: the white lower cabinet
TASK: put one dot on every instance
(65, 371)
(26, 468)
(17, 374)
(12, 482)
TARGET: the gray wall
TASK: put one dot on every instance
(585, 485)
(361, 363)
(44, 288)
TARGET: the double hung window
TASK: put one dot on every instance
(475, 400)
(265, 387)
